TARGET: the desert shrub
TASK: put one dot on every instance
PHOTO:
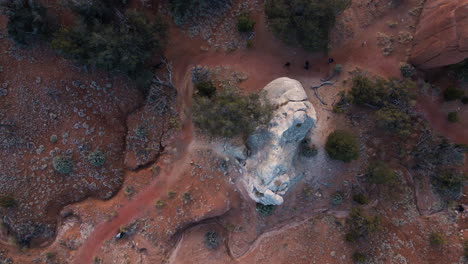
(122, 46)
(229, 113)
(436, 239)
(360, 198)
(337, 198)
(212, 239)
(191, 11)
(186, 198)
(160, 204)
(338, 68)
(452, 117)
(206, 89)
(7, 201)
(63, 164)
(360, 225)
(395, 120)
(460, 70)
(97, 158)
(307, 149)
(342, 105)
(449, 182)
(379, 172)
(27, 20)
(171, 194)
(453, 93)
(95, 12)
(465, 250)
(407, 70)
(245, 23)
(359, 258)
(342, 145)
(306, 23)
(264, 210)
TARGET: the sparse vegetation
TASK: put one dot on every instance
(206, 89)
(379, 172)
(304, 23)
(307, 149)
(160, 204)
(189, 11)
(407, 70)
(359, 258)
(212, 239)
(360, 225)
(453, 93)
(342, 145)
(245, 23)
(361, 198)
(436, 239)
(395, 121)
(171, 194)
(63, 164)
(7, 201)
(27, 20)
(449, 182)
(264, 210)
(97, 158)
(186, 198)
(452, 117)
(337, 198)
(229, 113)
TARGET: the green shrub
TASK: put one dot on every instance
(206, 89)
(337, 198)
(449, 182)
(407, 70)
(360, 225)
(379, 172)
(306, 23)
(395, 120)
(171, 194)
(212, 239)
(342, 145)
(160, 204)
(436, 239)
(229, 113)
(192, 11)
(245, 23)
(452, 117)
(361, 198)
(63, 164)
(264, 210)
(7, 201)
(465, 250)
(27, 20)
(97, 158)
(122, 46)
(359, 258)
(307, 149)
(452, 93)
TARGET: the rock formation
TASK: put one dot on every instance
(441, 36)
(269, 168)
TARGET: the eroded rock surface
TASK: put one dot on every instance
(442, 34)
(269, 168)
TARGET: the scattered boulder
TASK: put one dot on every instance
(441, 36)
(269, 168)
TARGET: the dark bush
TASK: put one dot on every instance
(206, 89)
(123, 46)
(63, 164)
(27, 20)
(97, 158)
(449, 182)
(452, 117)
(359, 258)
(361, 198)
(229, 113)
(407, 70)
(436, 239)
(360, 225)
(342, 145)
(337, 198)
(192, 11)
(452, 93)
(264, 210)
(306, 23)
(395, 121)
(7, 201)
(212, 239)
(379, 172)
(245, 23)
(95, 12)
(465, 100)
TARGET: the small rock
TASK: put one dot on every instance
(3, 92)
(38, 80)
(40, 149)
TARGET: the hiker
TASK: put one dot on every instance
(306, 65)
(364, 43)
(330, 60)
(287, 64)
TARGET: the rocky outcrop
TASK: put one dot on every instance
(269, 168)
(441, 36)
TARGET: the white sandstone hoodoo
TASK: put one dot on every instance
(269, 168)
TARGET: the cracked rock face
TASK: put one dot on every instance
(270, 172)
(441, 36)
